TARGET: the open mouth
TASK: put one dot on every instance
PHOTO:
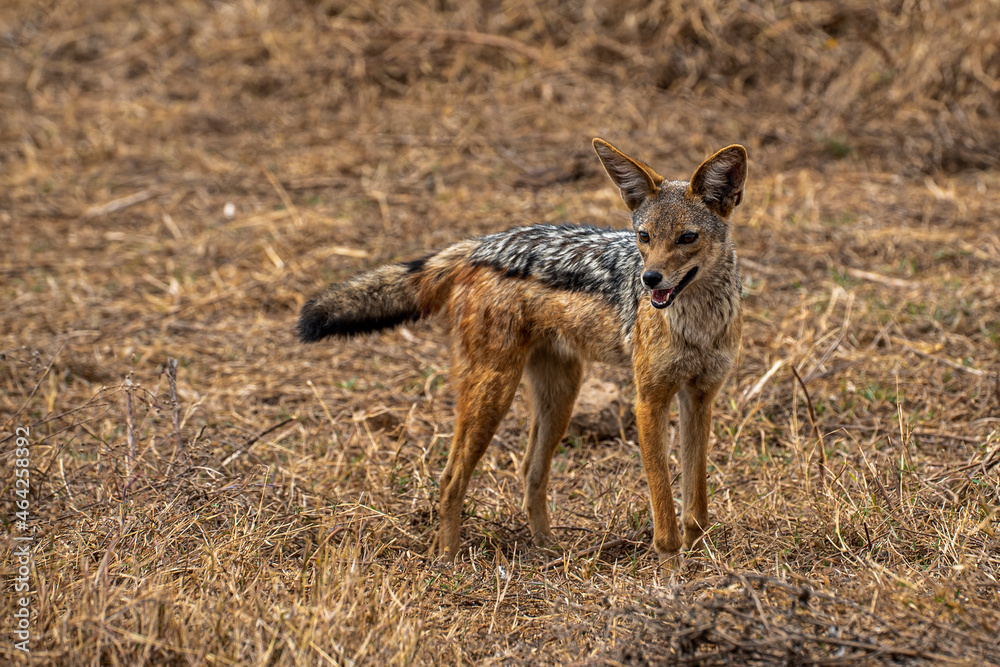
(664, 297)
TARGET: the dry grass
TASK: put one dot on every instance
(176, 178)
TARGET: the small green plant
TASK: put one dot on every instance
(838, 146)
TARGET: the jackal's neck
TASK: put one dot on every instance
(707, 310)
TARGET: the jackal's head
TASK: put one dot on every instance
(681, 228)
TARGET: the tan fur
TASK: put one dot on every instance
(508, 321)
(505, 328)
(502, 329)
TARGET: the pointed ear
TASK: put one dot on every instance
(636, 181)
(720, 179)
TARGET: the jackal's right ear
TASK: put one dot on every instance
(636, 180)
(720, 179)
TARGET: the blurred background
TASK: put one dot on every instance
(100, 98)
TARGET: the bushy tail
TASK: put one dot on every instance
(382, 298)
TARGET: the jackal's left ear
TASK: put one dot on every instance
(720, 179)
(636, 180)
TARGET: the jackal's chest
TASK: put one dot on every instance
(670, 349)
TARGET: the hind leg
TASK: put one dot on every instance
(553, 382)
(485, 390)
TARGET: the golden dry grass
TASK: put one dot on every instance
(176, 178)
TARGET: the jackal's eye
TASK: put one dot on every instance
(687, 237)
(643, 237)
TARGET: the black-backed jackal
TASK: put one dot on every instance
(539, 301)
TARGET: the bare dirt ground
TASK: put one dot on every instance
(177, 178)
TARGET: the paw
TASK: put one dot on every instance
(670, 561)
(694, 537)
(667, 546)
(447, 555)
(546, 541)
(694, 544)
(444, 563)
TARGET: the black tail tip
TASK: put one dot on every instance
(313, 324)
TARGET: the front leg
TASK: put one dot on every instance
(695, 426)
(652, 407)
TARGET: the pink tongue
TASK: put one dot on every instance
(661, 295)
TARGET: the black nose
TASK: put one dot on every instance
(652, 278)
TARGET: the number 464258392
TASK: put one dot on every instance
(22, 473)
